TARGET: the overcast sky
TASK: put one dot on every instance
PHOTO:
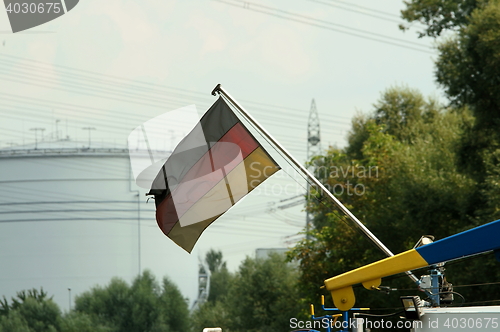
(115, 64)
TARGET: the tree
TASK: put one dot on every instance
(175, 310)
(14, 322)
(214, 311)
(109, 304)
(468, 68)
(143, 306)
(211, 314)
(262, 296)
(17, 302)
(438, 15)
(214, 260)
(438, 167)
(81, 322)
(33, 311)
(469, 64)
(400, 167)
(219, 275)
(30, 311)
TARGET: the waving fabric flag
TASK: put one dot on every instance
(210, 170)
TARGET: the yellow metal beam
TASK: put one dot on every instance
(370, 276)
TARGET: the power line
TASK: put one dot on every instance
(136, 85)
(363, 12)
(308, 20)
(162, 100)
(21, 192)
(365, 8)
(90, 110)
(36, 101)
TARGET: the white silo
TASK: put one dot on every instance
(71, 218)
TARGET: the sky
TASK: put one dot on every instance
(113, 65)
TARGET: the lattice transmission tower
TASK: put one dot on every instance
(313, 145)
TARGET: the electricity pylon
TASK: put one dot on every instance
(313, 146)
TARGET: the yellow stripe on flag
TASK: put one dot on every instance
(257, 166)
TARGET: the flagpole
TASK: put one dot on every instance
(339, 204)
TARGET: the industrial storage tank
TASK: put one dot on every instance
(71, 217)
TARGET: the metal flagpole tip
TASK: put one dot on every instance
(216, 89)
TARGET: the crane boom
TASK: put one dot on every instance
(474, 241)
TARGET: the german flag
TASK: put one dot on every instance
(211, 169)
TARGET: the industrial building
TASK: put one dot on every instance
(71, 217)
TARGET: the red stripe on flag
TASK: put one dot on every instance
(166, 213)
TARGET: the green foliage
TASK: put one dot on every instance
(403, 164)
(143, 303)
(262, 296)
(214, 260)
(33, 311)
(14, 322)
(41, 316)
(174, 309)
(400, 109)
(219, 281)
(437, 15)
(30, 311)
(81, 322)
(107, 304)
(357, 136)
(469, 65)
(211, 314)
(143, 306)
(469, 70)
(18, 301)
